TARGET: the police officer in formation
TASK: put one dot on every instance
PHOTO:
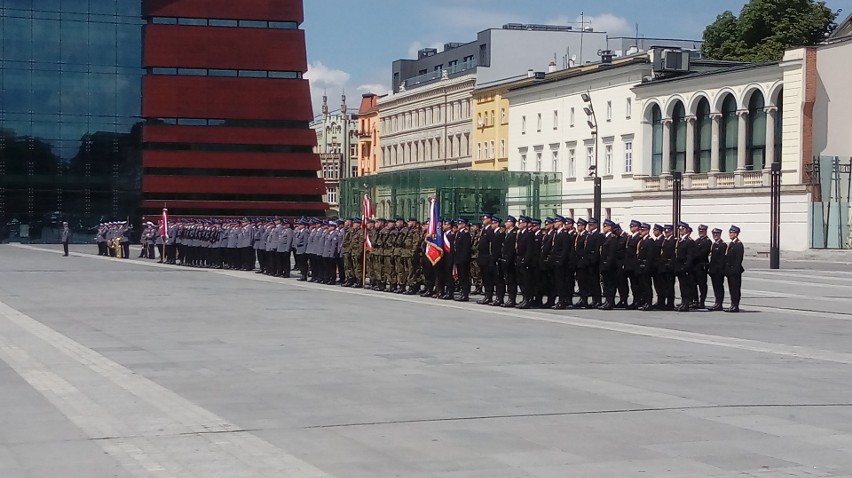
(521, 262)
(113, 239)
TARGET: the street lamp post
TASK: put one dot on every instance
(589, 109)
(775, 217)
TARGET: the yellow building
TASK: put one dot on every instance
(490, 142)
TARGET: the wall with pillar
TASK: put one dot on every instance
(741, 83)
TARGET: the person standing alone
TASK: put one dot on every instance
(65, 237)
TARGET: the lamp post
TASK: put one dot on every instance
(589, 109)
(775, 217)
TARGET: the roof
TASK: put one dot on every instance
(734, 68)
(844, 29)
(580, 70)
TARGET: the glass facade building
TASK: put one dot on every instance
(111, 109)
(71, 83)
(466, 194)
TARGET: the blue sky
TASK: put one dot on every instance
(351, 43)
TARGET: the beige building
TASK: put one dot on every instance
(427, 127)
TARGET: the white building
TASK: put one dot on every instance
(427, 127)
(337, 146)
(549, 131)
(721, 126)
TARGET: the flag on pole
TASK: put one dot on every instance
(164, 227)
(366, 215)
(435, 237)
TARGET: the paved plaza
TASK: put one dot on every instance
(124, 368)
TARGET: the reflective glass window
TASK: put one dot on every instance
(222, 23)
(284, 25)
(192, 21)
(253, 73)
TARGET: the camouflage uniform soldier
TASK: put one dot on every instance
(348, 264)
(357, 247)
(413, 247)
(392, 252)
(381, 256)
(402, 259)
(372, 233)
(475, 273)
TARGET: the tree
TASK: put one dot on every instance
(765, 28)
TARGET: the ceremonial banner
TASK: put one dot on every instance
(366, 215)
(164, 228)
(435, 239)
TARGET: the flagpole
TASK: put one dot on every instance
(364, 258)
(364, 220)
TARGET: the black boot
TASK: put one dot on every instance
(484, 301)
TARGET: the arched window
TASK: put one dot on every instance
(729, 132)
(677, 162)
(703, 137)
(656, 141)
(756, 158)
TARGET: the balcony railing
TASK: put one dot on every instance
(752, 179)
(726, 180)
(748, 179)
(439, 74)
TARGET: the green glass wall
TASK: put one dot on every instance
(461, 193)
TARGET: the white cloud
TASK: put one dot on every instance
(376, 88)
(323, 76)
(325, 80)
(605, 22)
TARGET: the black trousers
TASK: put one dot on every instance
(500, 280)
(718, 281)
(510, 280)
(446, 283)
(341, 269)
(302, 265)
(522, 275)
(622, 283)
(593, 283)
(429, 277)
(65, 247)
(637, 287)
(261, 259)
(687, 287)
(735, 282)
(545, 279)
(489, 272)
(699, 275)
(282, 263)
(248, 258)
(609, 284)
(125, 250)
(564, 278)
(643, 294)
(464, 278)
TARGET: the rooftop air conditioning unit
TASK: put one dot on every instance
(675, 61)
